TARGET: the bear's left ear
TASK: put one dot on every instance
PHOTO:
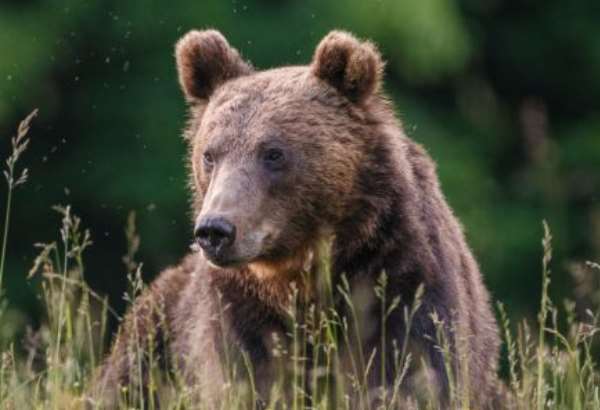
(205, 60)
(353, 67)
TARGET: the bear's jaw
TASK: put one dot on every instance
(297, 277)
(265, 270)
(307, 260)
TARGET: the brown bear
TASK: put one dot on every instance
(283, 161)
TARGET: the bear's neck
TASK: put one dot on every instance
(366, 237)
(392, 225)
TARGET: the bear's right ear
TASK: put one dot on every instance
(352, 66)
(205, 60)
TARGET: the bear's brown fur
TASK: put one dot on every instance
(290, 158)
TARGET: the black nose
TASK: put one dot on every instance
(214, 235)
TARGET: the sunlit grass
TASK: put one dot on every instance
(551, 363)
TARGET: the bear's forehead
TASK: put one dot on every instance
(275, 96)
(262, 87)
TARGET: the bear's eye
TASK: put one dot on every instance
(208, 159)
(273, 158)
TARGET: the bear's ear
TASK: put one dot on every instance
(205, 60)
(352, 66)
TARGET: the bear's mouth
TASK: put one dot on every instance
(224, 260)
(233, 258)
(265, 264)
(236, 254)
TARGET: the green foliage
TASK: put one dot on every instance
(429, 37)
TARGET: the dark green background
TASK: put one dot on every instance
(504, 95)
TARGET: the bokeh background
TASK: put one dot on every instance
(505, 95)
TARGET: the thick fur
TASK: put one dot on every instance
(355, 178)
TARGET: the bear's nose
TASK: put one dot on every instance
(214, 235)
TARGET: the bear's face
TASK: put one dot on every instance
(266, 161)
(275, 154)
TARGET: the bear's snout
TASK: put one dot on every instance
(215, 235)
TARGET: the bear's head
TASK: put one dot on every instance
(276, 156)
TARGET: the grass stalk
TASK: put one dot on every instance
(542, 317)
(13, 179)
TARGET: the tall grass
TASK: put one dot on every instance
(20, 142)
(549, 366)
